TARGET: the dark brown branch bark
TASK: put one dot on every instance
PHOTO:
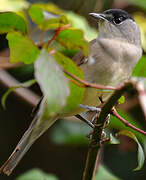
(95, 143)
(5, 64)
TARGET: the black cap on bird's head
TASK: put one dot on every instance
(115, 16)
(117, 23)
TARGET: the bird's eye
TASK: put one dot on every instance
(118, 20)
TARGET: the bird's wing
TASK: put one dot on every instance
(80, 58)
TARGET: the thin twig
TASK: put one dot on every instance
(77, 83)
(57, 32)
(84, 120)
(87, 84)
(126, 122)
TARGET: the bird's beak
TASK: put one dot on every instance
(99, 16)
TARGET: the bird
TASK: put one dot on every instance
(112, 57)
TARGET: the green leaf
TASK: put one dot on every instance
(23, 72)
(52, 81)
(13, 5)
(113, 140)
(73, 38)
(140, 69)
(67, 132)
(121, 100)
(22, 49)
(25, 84)
(11, 21)
(140, 3)
(76, 93)
(50, 7)
(104, 174)
(46, 20)
(140, 20)
(141, 156)
(36, 174)
(117, 124)
(81, 22)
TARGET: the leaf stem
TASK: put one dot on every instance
(126, 122)
(87, 84)
(57, 32)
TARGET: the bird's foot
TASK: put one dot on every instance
(94, 112)
(90, 108)
(85, 120)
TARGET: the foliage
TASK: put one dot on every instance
(140, 20)
(80, 22)
(36, 174)
(73, 38)
(140, 3)
(45, 18)
(121, 100)
(104, 174)
(70, 133)
(22, 49)
(25, 84)
(50, 63)
(140, 69)
(117, 124)
(11, 21)
(140, 149)
(47, 71)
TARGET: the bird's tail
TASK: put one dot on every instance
(35, 130)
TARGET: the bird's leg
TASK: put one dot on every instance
(90, 108)
(96, 111)
(107, 121)
(85, 120)
(91, 118)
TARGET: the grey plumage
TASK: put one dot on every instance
(113, 54)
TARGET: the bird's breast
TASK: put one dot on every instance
(110, 62)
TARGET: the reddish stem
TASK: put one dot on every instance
(57, 32)
(87, 84)
(127, 123)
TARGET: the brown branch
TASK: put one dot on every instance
(126, 122)
(8, 81)
(4, 60)
(5, 64)
(96, 139)
(27, 95)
